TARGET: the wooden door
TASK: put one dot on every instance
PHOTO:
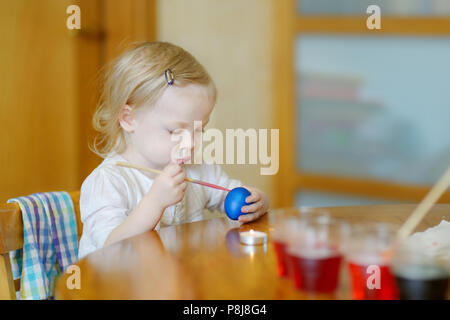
(49, 86)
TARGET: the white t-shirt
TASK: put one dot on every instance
(111, 192)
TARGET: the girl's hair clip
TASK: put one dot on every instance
(168, 74)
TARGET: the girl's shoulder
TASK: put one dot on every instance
(105, 187)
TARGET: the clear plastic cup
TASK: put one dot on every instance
(284, 230)
(420, 274)
(315, 254)
(369, 262)
(283, 233)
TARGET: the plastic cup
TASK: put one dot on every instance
(315, 253)
(283, 232)
(419, 274)
(284, 229)
(368, 261)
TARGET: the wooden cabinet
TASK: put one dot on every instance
(49, 86)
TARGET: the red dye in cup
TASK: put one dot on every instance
(316, 271)
(282, 258)
(372, 281)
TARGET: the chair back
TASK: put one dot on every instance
(11, 238)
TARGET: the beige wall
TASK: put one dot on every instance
(233, 40)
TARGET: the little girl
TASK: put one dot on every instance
(149, 94)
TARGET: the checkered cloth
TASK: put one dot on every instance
(50, 242)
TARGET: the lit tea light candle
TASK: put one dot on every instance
(253, 237)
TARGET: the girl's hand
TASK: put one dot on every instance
(168, 187)
(258, 208)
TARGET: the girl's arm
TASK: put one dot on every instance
(167, 189)
(144, 217)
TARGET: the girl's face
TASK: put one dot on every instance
(165, 132)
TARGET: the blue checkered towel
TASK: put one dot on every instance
(50, 242)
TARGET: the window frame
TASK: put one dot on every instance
(288, 25)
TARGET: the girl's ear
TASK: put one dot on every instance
(126, 118)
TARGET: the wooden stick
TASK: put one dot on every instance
(129, 165)
(421, 210)
(151, 170)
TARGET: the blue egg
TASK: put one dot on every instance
(234, 202)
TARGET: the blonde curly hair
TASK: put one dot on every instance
(137, 78)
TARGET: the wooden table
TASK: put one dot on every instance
(204, 260)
